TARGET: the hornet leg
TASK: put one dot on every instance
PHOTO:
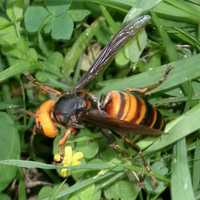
(43, 87)
(148, 89)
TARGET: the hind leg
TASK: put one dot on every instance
(148, 89)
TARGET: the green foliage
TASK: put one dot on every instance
(54, 18)
(10, 148)
(88, 146)
(56, 42)
(122, 190)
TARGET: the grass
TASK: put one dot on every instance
(56, 44)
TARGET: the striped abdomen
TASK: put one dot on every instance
(132, 108)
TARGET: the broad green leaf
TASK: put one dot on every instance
(89, 193)
(132, 50)
(121, 60)
(34, 18)
(58, 7)
(50, 192)
(10, 148)
(135, 47)
(123, 190)
(8, 35)
(78, 14)
(89, 148)
(181, 185)
(45, 192)
(62, 27)
(178, 129)
(14, 13)
(4, 197)
(54, 63)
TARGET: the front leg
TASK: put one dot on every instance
(66, 135)
(43, 87)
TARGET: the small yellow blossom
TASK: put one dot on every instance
(76, 158)
(64, 173)
(67, 156)
(76, 163)
(70, 158)
(57, 157)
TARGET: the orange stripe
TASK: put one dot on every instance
(132, 108)
(154, 117)
(113, 103)
(142, 111)
(126, 106)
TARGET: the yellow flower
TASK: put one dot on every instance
(57, 157)
(67, 156)
(63, 172)
(70, 159)
(76, 158)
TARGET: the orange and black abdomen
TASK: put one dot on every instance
(131, 107)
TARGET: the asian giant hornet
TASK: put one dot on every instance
(121, 111)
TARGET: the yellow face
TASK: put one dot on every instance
(44, 120)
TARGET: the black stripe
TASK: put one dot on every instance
(148, 115)
(158, 121)
(162, 124)
(138, 109)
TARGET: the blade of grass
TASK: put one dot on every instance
(182, 71)
(181, 186)
(18, 68)
(169, 46)
(184, 6)
(176, 11)
(187, 37)
(79, 46)
(40, 165)
(112, 24)
(196, 166)
(119, 5)
(81, 184)
(27, 164)
(177, 129)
